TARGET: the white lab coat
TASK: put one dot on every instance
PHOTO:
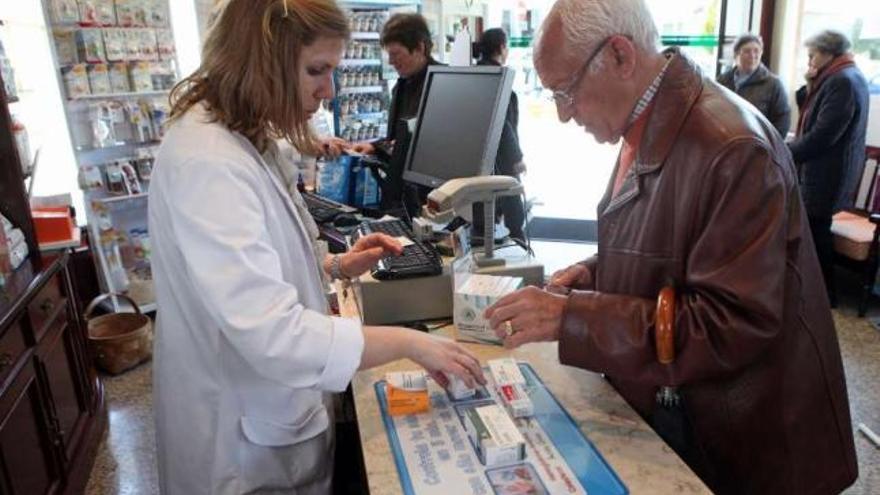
(244, 348)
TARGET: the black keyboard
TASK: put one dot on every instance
(324, 210)
(418, 259)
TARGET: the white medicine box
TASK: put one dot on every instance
(476, 293)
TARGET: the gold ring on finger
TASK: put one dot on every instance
(508, 328)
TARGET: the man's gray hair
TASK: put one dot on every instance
(829, 41)
(586, 23)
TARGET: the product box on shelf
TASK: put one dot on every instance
(90, 46)
(99, 79)
(65, 45)
(76, 80)
(64, 11)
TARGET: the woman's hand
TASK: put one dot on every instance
(527, 315)
(366, 252)
(443, 358)
(362, 148)
(333, 146)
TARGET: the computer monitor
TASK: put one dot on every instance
(459, 124)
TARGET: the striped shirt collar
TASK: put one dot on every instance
(649, 94)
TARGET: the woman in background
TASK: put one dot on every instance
(245, 352)
(492, 50)
(829, 148)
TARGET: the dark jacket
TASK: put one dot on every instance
(713, 208)
(765, 91)
(509, 152)
(830, 152)
(405, 98)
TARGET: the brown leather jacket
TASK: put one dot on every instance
(714, 209)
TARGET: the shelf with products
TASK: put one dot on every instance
(360, 108)
(116, 64)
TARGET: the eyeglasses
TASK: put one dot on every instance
(564, 97)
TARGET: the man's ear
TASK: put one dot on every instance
(624, 52)
(420, 48)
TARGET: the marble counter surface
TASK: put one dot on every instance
(634, 451)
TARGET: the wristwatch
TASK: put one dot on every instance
(336, 268)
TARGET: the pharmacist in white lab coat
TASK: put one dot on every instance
(245, 352)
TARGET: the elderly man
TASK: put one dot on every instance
(704, 199)
(753, 81)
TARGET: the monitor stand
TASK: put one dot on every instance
(487, 257)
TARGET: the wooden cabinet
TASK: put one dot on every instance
(52, 412)
(26, 458)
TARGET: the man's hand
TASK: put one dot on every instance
(534, 315)
(333, 146)
(574, 277)
(362, 148)
(366, 252)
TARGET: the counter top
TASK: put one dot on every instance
(640, 458)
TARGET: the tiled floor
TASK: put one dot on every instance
(126, 460)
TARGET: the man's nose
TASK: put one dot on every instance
(565, 112)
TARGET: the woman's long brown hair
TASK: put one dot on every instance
(249, 75)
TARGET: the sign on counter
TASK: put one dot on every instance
(434, 455)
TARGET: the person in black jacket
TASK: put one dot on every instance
(754, 82)
(492, 50)
(407, 41)
(829, 148)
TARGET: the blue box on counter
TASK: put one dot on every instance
(346, 180)
(366, 188)
(334, 179)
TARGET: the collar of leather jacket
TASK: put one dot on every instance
(679, 90)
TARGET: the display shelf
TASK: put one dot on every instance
(130, 122)
(364, 115)
(132, 94)
(365, 36)
(117, 146)
(356, 62)
(356, 90)
(117, 199)
(363, 55)
(74, 241)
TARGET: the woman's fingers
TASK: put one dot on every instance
(386, 242)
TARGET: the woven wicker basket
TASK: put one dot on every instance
(119, 341)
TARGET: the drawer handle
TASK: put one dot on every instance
(5, 360)
(47, 305)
